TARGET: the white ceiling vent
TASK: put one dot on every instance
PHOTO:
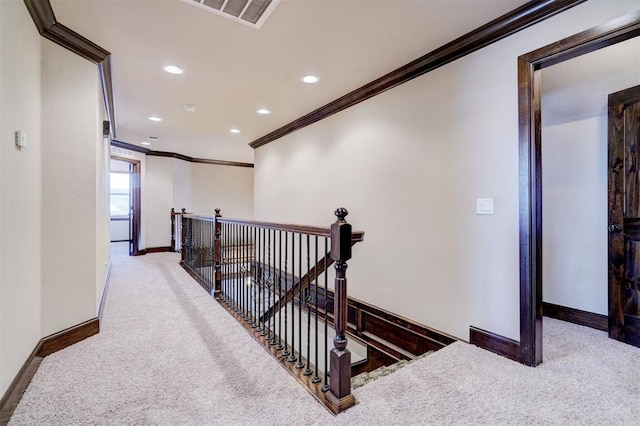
(248, 12)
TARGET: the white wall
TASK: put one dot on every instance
(70, 153)
(574, 188)
(182, 192)
(409, 165)
(19, 190)
(159, 199)
(225, 187)
(103, 214)
(198, 187)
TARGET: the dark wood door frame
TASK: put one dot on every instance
(136, 201)
(529, 66)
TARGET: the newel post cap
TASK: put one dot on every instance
(341, 236)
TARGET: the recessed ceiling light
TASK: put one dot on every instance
(155, 118)
(172, 69)
(235, 130)
(263, 111)
(310, 79)
(145, 143)
(190, 108)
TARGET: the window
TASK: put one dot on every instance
(120, 195)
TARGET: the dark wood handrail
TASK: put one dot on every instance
(358, 236)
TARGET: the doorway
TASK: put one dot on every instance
(531, 230)
(124, 197)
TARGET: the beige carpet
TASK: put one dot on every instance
(169, 354)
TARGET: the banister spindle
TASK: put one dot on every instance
(339, 396)
(217, 251)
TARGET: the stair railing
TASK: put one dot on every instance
(274, 278)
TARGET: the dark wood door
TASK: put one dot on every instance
(624, 216)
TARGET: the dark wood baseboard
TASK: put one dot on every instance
(16, 389)
(62, 339)
(157, 249)
(495, 343)
(46, 346)
(576, 316)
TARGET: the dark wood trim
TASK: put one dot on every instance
(357, 236)
(495, 343)
(198, 160)
(43, 17)
(504, 26)
(105, 289)
(604, 35)
(157, 249)
(62, 339)
(576, 316)
(106, 82)
(45, 346)
(130, 147)
(182, 157)
(19, 385)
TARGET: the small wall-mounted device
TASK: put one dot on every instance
(484, 206)
(21, 139)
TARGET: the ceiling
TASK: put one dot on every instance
(231, 69)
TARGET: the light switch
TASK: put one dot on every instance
(21, 139)
(484, 206)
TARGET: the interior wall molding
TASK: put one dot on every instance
(495, 343)
(45, 347)
(43, 17)
(150, 152)
(576, 316)
(518, 19)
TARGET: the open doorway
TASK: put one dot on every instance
(530, 68)
(124, 190)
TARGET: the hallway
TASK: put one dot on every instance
(169, 354)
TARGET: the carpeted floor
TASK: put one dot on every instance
(169, 354)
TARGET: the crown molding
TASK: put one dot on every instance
(504, 26)
(182, 157)
(45, 21)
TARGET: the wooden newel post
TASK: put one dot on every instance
(339, 395)
(217, 255)
(183, 238)
(173, 229)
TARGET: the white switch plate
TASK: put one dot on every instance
(21, 139)
(484, 206)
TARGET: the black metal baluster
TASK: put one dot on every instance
(267, 325)
(307, 302)
(325, 387)
(279, 347)
(256, 236)
(272, 291)
(254, 275)
(286, 258)
(316, 378)
(292, 357)
(244, 271)
(236, 267)
(300, 364)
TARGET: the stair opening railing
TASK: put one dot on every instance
(274, 279)
(176, 229)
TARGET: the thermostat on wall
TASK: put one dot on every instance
(21, 139)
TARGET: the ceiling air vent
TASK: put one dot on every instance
(248, 12)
